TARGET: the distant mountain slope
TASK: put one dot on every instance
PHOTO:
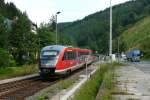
(138, 36)
(93, 31)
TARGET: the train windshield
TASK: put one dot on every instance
(51, 55)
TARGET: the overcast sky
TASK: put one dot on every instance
(42, 10)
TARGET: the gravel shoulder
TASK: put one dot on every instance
(133, 84)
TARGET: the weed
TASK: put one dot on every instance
(11, 72)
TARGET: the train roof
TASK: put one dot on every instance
(53, 47)
(61, 47)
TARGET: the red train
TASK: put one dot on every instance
(58, 60)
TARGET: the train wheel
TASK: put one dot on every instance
(68, 72)
(42, 76)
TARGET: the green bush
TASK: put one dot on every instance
(6, 59)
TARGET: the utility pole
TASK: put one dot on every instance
(110, 37)
(56, 27)
(56, 44)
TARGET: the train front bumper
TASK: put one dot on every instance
(51, 71)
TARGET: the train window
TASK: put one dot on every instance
(69, 56)
(49, 54)
(65, 57)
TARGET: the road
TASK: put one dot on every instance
(133, 81)
(143, 66)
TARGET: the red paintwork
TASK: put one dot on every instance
(65, 65)
(68, 64)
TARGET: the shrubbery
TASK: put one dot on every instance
(6, 59)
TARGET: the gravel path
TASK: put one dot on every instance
(133, 82)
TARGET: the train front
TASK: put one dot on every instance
(49, 57)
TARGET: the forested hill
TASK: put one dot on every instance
(138, 36)
(93, 31)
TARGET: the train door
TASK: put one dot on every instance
(72, 59)
(69, 59)
(65, 63)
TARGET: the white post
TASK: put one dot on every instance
(99, 60)
(86, 60)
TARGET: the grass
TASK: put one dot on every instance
(109, 82)
(109, 86)
(116, 64)
(90, 89)
(11, 72)
(43, 97)
(64, 84)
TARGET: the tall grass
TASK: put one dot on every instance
(90, 89)
(11, 72)
(104, 75)
(108, 87)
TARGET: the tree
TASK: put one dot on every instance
(6, 59)
(52, 23)
(20, 39)
(3, 34)
(15, 34)
(45, 35)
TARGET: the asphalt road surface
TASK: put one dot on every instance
(133, 81)
(144, 66)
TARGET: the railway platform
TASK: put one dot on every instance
(17, 78)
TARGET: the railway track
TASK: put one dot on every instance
(19, 90)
